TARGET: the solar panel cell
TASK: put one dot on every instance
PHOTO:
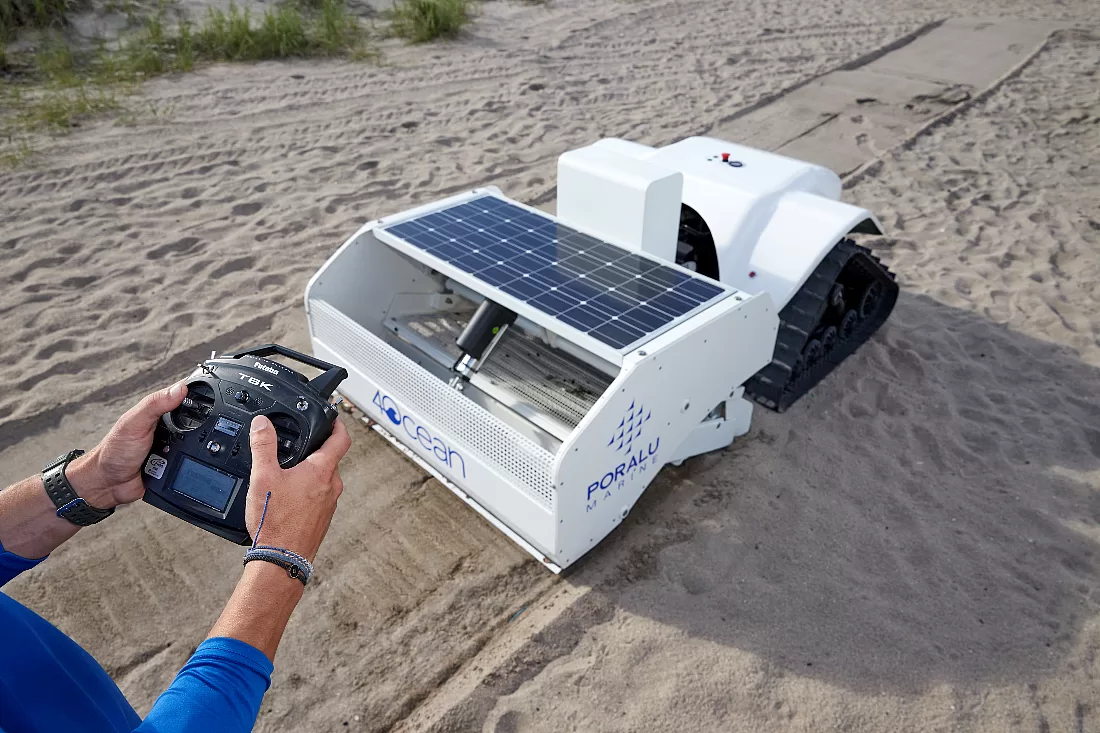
(499, 275)
(613, 295)
(618, 334)
(667, 277)
(636, 264)
(699, 290)
(580, 264)
(552, 303)
(611, 276)
(671, 304)
(612, 304)
(474, 262)
(645, 318)
(584, 317)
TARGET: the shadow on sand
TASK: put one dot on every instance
(921, 518)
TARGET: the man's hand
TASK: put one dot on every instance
(110, 474)
(105, 476)
(303, 498)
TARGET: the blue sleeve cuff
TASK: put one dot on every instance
(223, 647)
(12, 564)
(219, 690)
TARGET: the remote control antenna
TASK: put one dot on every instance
(326, 383)
(479, 338)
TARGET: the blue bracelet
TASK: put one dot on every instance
(295, 565)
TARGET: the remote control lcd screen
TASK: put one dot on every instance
(204, 484)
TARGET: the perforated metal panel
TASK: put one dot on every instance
(467, 425)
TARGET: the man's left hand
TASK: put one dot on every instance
(110, 473)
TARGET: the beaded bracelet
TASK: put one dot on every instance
(295, 565)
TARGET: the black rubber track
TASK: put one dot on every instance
(809, 313)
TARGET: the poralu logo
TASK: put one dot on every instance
(630, 428)
(627, 439)
(443, 453)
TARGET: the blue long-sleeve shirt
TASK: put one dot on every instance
(49, 684)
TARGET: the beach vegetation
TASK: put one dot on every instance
(424, 20)
(286, 31)
(18, 14)
(54, 88)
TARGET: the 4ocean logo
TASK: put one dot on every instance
(433, 444)
(639, 455)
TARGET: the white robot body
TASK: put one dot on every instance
(544, 368)
(772, 218)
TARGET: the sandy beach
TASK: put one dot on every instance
(915, 546)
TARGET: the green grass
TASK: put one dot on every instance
(57, 63)
(17, 14)
(424, 20)
(232, 36)
(15, 153)
(56, 87)
(60, 108)
(291, 30)
(127, 7)
(56, 107)
(185, 47)
(338, 30)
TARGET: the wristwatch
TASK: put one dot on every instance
(70, 505)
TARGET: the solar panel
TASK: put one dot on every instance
(613, 295)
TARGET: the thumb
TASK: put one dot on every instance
(144, 415)
(263, 440)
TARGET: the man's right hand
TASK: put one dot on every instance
(303, 498)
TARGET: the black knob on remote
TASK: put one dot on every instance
(241, 396)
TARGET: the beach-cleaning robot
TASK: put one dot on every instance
(544, 368)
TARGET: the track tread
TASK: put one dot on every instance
(773, 385)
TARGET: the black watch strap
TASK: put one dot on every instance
(69, 504)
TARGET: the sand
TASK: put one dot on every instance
(912, 547)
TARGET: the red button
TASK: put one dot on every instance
(725, 157)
